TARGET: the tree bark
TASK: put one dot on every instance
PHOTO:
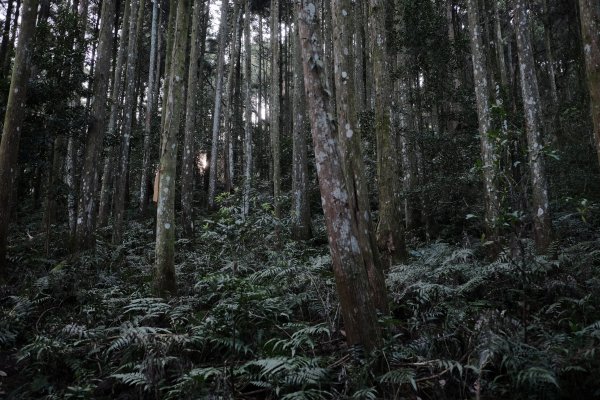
(96, 128)
(164, 273)
(150, 100)
(214, 151)
(189, 153)
(248, 112)
(489, 155)
(116, 94)
(137, 13)
(301, 220)
(13, 119)
(590, 26)
(275, 106)
(390, 233)
(542, 223)
(346, 239)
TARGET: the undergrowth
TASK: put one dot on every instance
(257, 318)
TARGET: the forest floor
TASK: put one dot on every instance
(256, 317)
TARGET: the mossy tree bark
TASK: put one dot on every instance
(275, 106)
(247, 112)
(164, 274)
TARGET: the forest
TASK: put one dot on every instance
(303, 199)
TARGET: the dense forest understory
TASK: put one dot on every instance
(328, 199)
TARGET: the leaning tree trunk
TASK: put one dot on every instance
(13, 119)
(164, 274)
(214, 151)
(390, 233)
(151, 93)
(301, 224)
(137, 13)
(482, 94)
(590, 28)
(275, 106)
(542, 222)
(349, 140)
(96, 128)
(248, 112)
(346, 239)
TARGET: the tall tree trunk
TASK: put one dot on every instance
(5, 35)
(150, 100)
(346, 239)
(11, 41)
(229, 114)
(275, 106)
(164, 274)
(96, 128)
(301, 223)
(13, 119)
(482, 93)
(137, 13)
(590, 26)
(349, 141)
(542, 222)
(390, 233)
(189, 153)
(115, 105)
(214, 151)
(248, 111)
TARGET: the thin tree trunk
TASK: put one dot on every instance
(301, 223)
(137, 13)
(357, 303)
(214, 151)
(96, 128)
(590, 26)
(482, 93)
(228, 123)
(5, 36)
(150, 100)
(248, 111)
(542, 222)
(189, 153)
(275, 106)
(164, 274)
(117, 88)
(13, 119)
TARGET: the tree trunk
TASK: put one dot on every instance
(346, 239)
(542, 222)
(96, 128)
(164, 274)
(189, 153)
(228, 117)
(390, 233)
(248, 112)
(482, 94)
(5, 36)
(137, 13)
(13, 119)
(590, 26)
(214, 151)
(349, 141)
(275, 106)
(117, 88)
(150, 96)
(301, 223)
